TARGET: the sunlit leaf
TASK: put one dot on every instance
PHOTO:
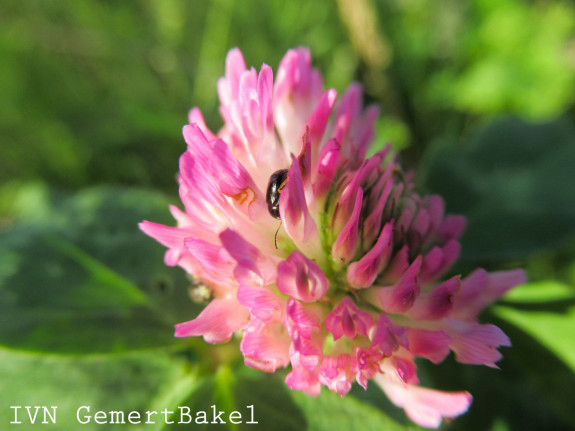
(553, 330)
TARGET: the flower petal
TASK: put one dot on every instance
(437, 303)
(262, 303)
(433, 345)
(217, 322)
(400, 297)
(425, 407)
(301, 279)
(253, 266)
(348, 319)
(345, 246)
(296, 218)
(324, 169)
(265, 347)
(362, 274)
(474, 343)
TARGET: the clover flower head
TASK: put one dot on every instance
(334, 268)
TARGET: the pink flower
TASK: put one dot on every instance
(341, 280)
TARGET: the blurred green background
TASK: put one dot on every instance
(478, 95)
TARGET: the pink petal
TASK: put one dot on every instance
(349, 320)
(419, 228)
(480, 289)
(325, 168)
(388, 337)
(201, 197)
(318, 119)
(436, 303)
(296, 218)
(230, 176)
(228, 87)
(335, 373)
(198, 145)
(502, 281)
(474, 343)
(253, 267)
(262, 303)
(398, 265)
(367, 364)
(304, 160)
(402, 296)
(297, 90)
(213, 258)
(452, 227)
(404, 220)
(305, 318)
(309, 347)
(362, 274)
(436, 211)
(171, 237)
(301, 278)
(345, 246)
(265, 347)
(405, 369)
(467, 302)
(372, 223)
(425, 407)
(438, 260)
(217, 322)
(433, 345)
(347, 112)
(265, 91)
(195, 117)
(302, 379)
(351, 185)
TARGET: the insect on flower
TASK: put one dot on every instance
(276, 184)
(358, 293)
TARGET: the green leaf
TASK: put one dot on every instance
(330, 412)
(549, 371)
(106, 383)
(553, 330)
(78, 276)
(513, 182)
(262, 402)
(540, 291)
(532, 389)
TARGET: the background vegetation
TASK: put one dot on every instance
(479, 95)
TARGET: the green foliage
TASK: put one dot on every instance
(112, 382)
(95, 93)
(512, 180)
(78, 276)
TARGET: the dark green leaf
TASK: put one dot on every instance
(514, 183)
(330, 412)
(532, 390)
(107, 383)
(263, 402)
(552, 329)
(78, 276)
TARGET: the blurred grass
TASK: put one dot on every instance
(97, 91)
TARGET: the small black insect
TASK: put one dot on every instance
(276, 184)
